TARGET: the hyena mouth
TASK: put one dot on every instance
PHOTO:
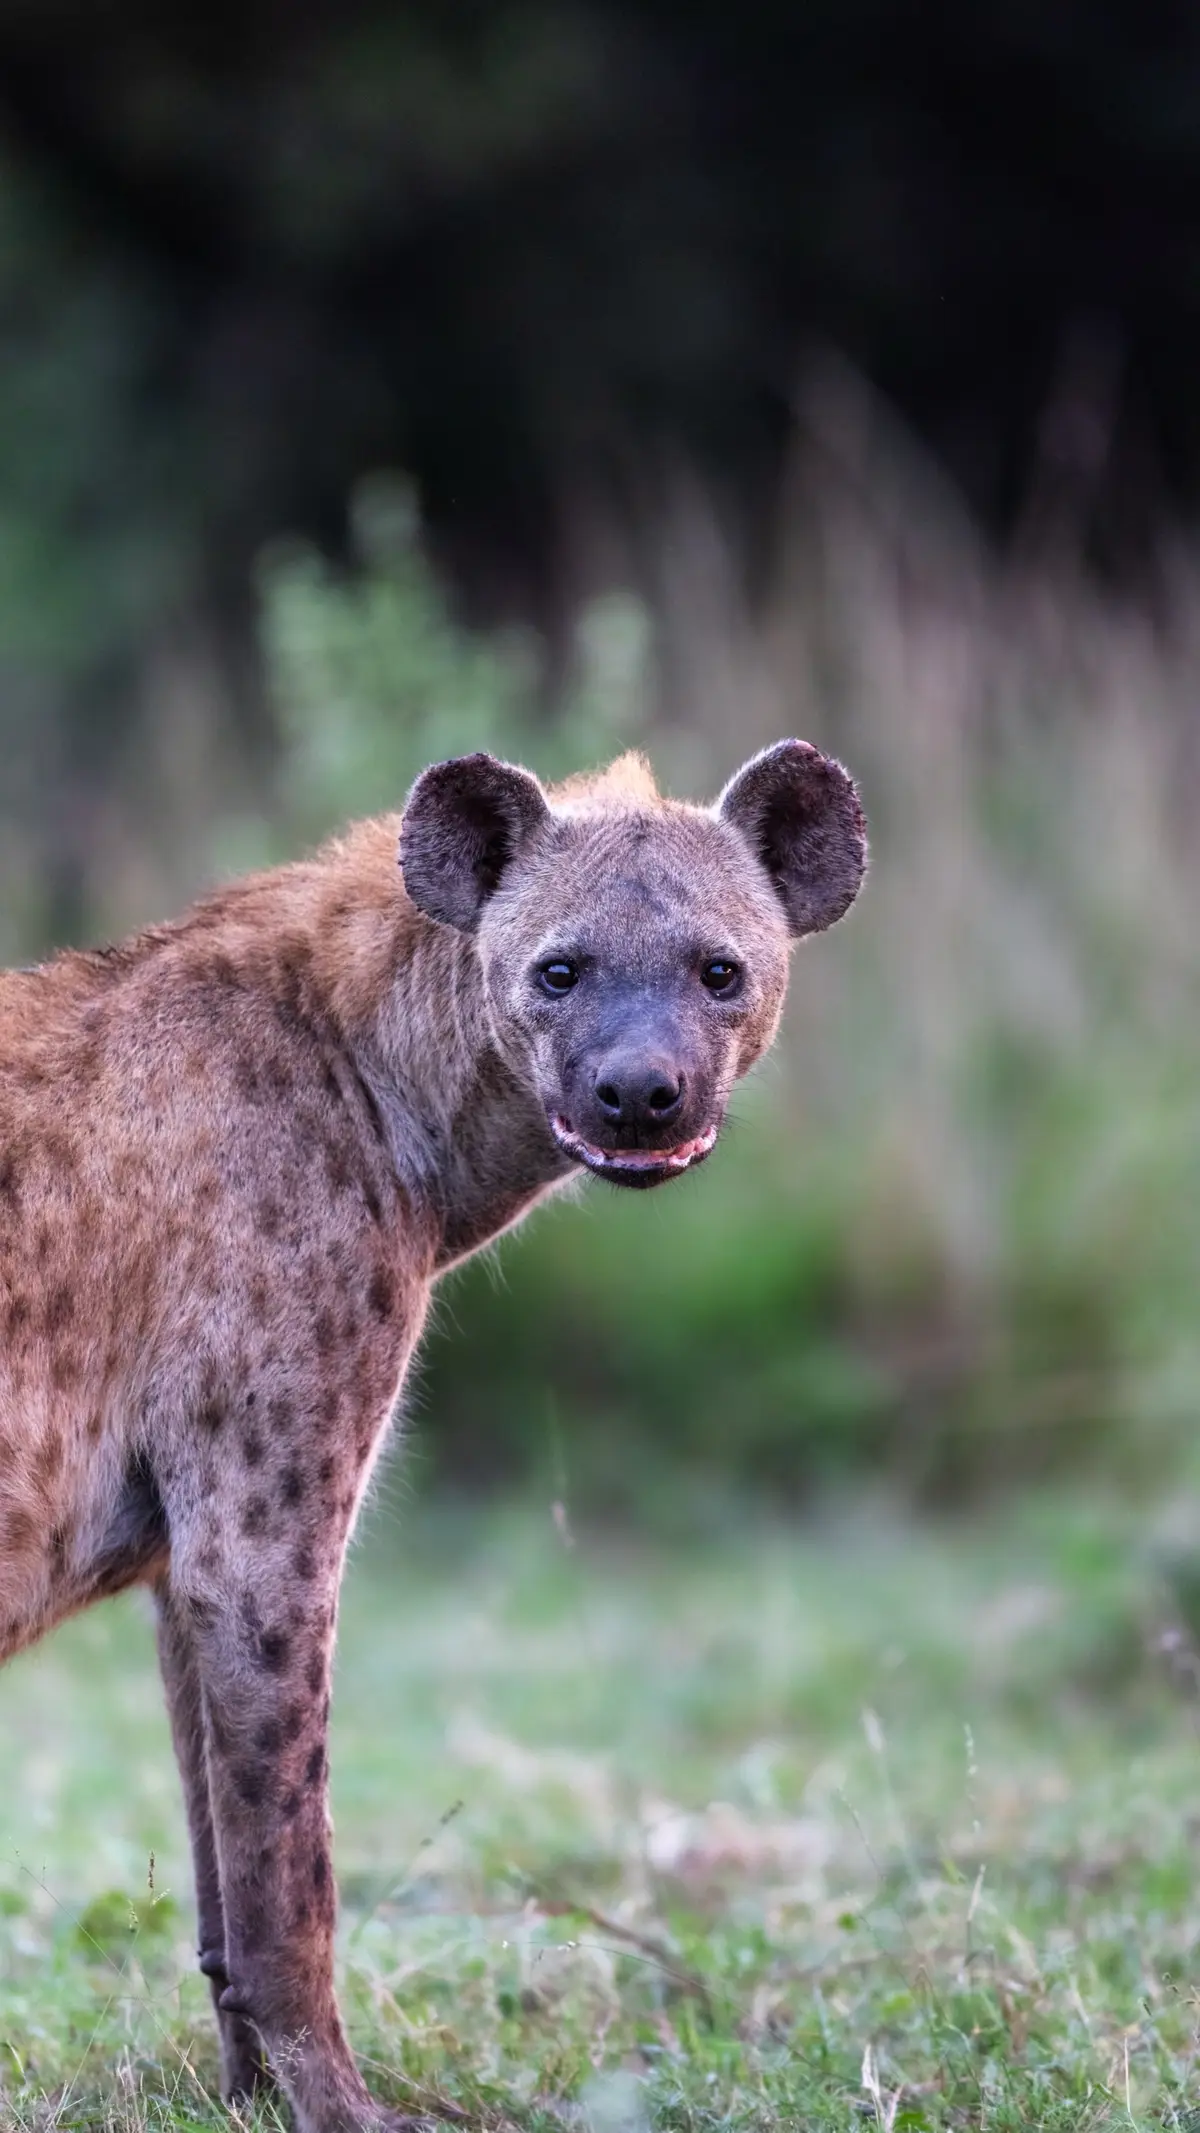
(633, 1166)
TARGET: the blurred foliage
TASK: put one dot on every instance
(373, 677)
(545, 257)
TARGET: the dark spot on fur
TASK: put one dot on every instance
(295, 961)
(57, 1152)
(380, 1295)
(274, 1647)
(254, 1517)
(278, 1077)
(250, 1781)
(325, 1470)
(337, 1168)
(289, 1806)
(324, 1333)
(309, 1142)
(252, 1448)
(293, 1721)
(269, 1217)
(269, 1738)
(292, 1484)
(314, 1673)
(59, 1308)
(320, 1870)
(246, 1079)
(211, 1415)
(49, 1458)
(281, 1413)
(304, 1563)
(64, 1367)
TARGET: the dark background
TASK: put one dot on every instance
(529, 253)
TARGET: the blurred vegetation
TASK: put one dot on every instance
(555, 260)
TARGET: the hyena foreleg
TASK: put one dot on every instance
(261, 1627)
(243, 2065)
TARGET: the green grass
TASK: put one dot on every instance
(861, 1824)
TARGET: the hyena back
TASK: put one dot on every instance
(236, 1153)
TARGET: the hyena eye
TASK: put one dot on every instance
(559, 975)
(721, 977)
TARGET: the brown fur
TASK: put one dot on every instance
(234, 1156)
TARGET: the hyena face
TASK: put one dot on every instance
(635, 950)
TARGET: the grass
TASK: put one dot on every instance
(869, 1824)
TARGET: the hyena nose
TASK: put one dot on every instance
(639, 1093)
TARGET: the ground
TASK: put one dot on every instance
(861, 1822)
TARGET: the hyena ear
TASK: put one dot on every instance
(464, 822)
(799, 812)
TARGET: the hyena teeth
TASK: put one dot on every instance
(677, 1158)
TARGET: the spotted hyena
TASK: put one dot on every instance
(235, 1155)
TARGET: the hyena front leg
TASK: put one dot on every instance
(256, 1575)
(243, 2066)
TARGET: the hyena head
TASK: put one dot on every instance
(634, 949)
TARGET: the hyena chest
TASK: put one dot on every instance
(79, 1519)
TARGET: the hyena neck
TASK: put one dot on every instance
(469, 1141)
